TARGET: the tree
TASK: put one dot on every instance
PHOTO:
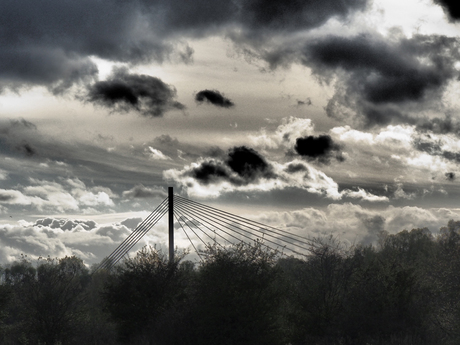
(390, 295)
(6, 296)
(97, 328)
(49, 298)
(140, 293)
(317, 288)
(235, 296)
(444, 275)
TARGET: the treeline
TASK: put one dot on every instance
(404, 290)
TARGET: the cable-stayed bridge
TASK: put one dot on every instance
(209, 225)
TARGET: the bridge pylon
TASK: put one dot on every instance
(171, 223)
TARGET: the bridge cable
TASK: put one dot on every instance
(189, 238)
(239, 239)
(185, 219)
(139, 231)
(260, 225)
(225, 221)
(219, 221)
(137, 234)
(203, 223)
(192, 220)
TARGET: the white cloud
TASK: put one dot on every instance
(72, 195)
(14, 197)
(390, 154)
(51, 194)
(92, 242)
(3, 174)
(100, 198)
(157, 154)
(75, 183)
(285, 135)
(355, 224)
(364, 195)
(390, 139)
(60, 237)
(295, 173)
(401, 194)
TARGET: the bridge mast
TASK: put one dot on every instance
(171, 223)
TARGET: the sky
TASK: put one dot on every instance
(319, 117)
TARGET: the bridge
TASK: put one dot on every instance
(204, 223)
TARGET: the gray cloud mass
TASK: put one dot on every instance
(140, 191)
(214, 97)
(293, 15)
(240, 166)
(321, 148)
(14, 136)
(434, 148)
(450, 176)
(439, 125)
(142, 93)
(51, 43)
(379, 74)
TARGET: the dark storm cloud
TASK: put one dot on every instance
(142, 93)
(50, 43)
(428, 145)
(209, 172)
(321, 148)
(45, 66)
(293, 15)
(450, 7)
(240, 166)
(438, 125)
(450, 176)
(434, 148)
(196, 18)
(214, 97)
(248, 163)
(376, 74)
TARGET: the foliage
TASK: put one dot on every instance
(47, 299)
(236, 300)
(141, 292)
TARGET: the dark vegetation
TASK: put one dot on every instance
(403, 290)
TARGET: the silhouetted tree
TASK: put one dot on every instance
(446, 282)
(318, 286)
(6, 296)
(48, 300)
(140, 293)
(235, 297)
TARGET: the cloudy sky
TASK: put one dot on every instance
(320, 117)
